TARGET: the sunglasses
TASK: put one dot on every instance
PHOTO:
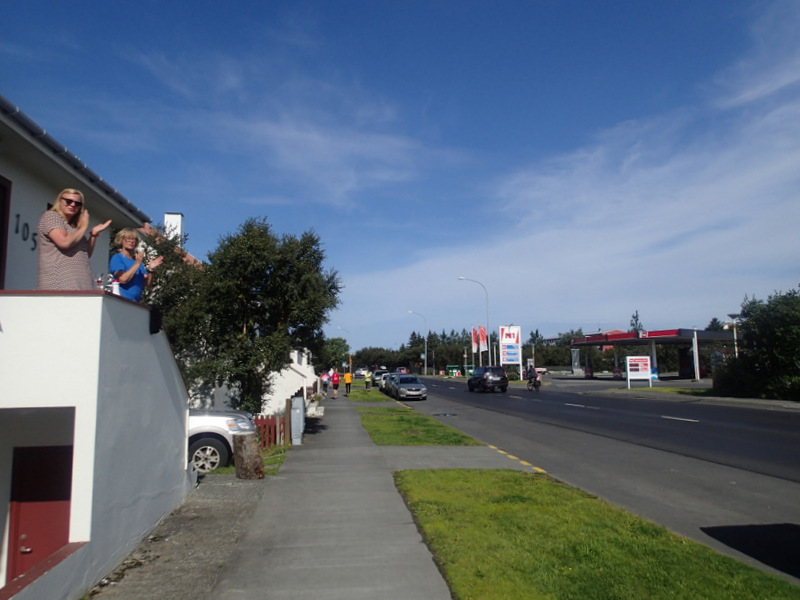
(70, 202)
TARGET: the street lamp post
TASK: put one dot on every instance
(425, 368)
(733, 317)
(488, 331)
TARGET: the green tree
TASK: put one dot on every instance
(175, 296)
(565, 339)
(636, 325)
(769, 350)
(715, 325)
(557, 355)
(264, 295)
(235, 319)
(535, 338)
(335, 352)
(376, 357)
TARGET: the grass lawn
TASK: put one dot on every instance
(708, 393)
(399, 426)
(359, 394)
(500, 535)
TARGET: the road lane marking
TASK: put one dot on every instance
(536, 469)
(680, 419)
(581, 406)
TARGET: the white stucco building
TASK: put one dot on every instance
(93, 411)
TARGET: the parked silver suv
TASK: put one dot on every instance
(211, 436)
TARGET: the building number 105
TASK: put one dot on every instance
(24, 231)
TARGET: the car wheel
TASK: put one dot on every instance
(503, 389)
(207, 454)
(471, 389)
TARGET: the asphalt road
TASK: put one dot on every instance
(726, 474)
(758, 440)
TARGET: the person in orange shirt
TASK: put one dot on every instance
(348, 379)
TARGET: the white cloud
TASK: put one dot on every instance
(337, 161)
(678, 217)
(331, 138)
(773, 65)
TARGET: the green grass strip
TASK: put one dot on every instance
(362, 395)
(501, 534)
(398, 426)
(702, 393)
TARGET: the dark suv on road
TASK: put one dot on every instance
(486, 379)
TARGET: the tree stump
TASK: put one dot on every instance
(247, 456)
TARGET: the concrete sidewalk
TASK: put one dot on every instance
(334, 526)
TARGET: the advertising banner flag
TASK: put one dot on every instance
(474, 341)
(482, 337)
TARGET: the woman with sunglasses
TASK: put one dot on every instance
(127, 266)
(64, 250)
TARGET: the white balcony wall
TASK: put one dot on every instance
(83, 368)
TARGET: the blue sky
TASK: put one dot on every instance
(582, 160)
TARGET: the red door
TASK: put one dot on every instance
(41, 486)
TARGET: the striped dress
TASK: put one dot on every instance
(62, 269)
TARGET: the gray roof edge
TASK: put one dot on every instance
(39, 136)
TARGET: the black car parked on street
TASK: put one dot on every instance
(485, 379)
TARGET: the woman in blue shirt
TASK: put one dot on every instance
(128, 266)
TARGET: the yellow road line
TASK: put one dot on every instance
(522, 462)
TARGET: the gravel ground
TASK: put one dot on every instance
(183, 555)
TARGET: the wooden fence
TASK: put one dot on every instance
(271, 430)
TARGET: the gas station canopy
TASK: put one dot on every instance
(664, 336)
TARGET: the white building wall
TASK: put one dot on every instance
(28, 201)
(286, 384)
(31, 191)
(93, 354)
(82, 370)
(49, 357)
